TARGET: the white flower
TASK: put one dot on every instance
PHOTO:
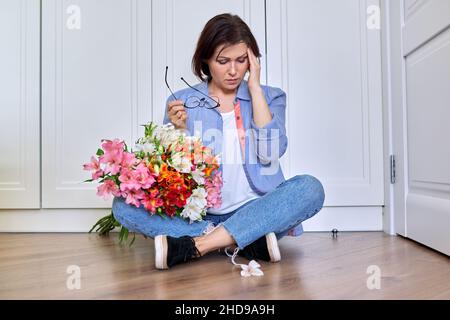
(147, 147)
(156, 168)
(252, 269)
(198, 197)
(192, 139)
(192, 212)
(195, 205)
(197, 175)
(167, 134)
(180, 162)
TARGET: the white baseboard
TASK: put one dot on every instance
(346, 219)
(50, 220)
(81, 220)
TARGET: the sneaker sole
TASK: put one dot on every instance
(272, 246)
(161, 252)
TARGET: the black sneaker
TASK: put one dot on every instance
(170, 251)
(265, 248)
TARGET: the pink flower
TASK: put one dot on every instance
(215, 181)
(213, 187)
(107, 188)
(143, 176)
(112, 146)
(97, 174)
(213, 198)
(94, 165)
(113, 161)
(209, 159)
(133, 197)
(128, 180)
(128, 159)
(113, 155)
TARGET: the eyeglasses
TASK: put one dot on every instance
(208, 102)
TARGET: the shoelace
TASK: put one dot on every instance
(189, 249)
(233, 255)
(252, 269)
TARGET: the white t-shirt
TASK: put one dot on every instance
(235, 190)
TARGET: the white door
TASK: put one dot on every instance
(19, 104)
(421, 113)
(96, 84)
(326, 55)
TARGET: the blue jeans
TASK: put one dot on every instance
(293, 201)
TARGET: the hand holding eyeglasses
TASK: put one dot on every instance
(176, 109)
(177, 114)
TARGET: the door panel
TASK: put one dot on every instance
(428, 112)
(19, 104)
(327, 59)
(96, 85)
(420, 76)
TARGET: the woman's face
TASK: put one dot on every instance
(229, 67)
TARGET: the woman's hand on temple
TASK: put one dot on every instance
(254, 81)
(261, 112)
(177, 114)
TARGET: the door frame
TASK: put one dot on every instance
(395, 47)
(394, 108)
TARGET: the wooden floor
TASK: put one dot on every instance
(313, 266)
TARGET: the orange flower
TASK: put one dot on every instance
(163, 172)
(208, 171)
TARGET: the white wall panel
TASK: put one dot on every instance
(19, 104)
(327, 58)
(96, 85)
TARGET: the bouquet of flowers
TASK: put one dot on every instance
(168, 173)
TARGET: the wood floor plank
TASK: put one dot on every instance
(313, 266)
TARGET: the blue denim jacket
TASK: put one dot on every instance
(264, 145)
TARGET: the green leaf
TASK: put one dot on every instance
(162, 215)
(93, 227)
(107, 227)
(123, 235)
(99, 222)
(108, 223)
(88, 180)
(100, 152)
(134, 238)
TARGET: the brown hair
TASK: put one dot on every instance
(222, 29)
